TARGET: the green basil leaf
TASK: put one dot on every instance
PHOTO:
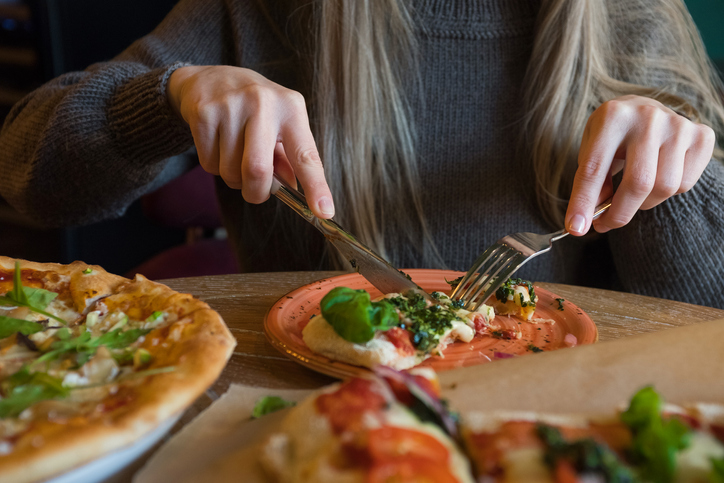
(23, 389)
(9, 326)
(354, 316)
(270, 404)
(655, 441)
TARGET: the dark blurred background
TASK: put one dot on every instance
(41, 39)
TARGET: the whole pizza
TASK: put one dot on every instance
(90, 362)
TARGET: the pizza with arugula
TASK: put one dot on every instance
(90, 362)
(393, 427)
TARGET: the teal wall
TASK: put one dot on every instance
(709, 17)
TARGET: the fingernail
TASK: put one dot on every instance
(577, 223)
(326, 206)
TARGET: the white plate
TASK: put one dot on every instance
(106, 466)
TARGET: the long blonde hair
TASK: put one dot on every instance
(367, 138)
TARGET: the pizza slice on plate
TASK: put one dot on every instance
(395, 330)
(367, 430)
(90, 362)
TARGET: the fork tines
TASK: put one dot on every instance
(496, 263)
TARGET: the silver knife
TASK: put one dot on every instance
(379, 272)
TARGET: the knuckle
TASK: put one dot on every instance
(641, 182)
(666, 188)
(257, 96)
(295, 99)
(254, 170)
(308, 157)
(613, 109)
(706, 136)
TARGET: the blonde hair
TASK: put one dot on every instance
(366, 135)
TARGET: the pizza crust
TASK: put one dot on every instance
(198, 345)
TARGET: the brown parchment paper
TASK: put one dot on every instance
(684, 364)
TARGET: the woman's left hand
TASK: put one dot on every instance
(661, 153)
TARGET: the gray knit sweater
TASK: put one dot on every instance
(84, 146)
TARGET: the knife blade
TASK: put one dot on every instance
(378, 271)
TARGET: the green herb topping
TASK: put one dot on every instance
(427, 323)
(508, 289)
(35, 299)
(585, 455)
(85, 346)
(23, 389)
(560, 303)
(88, 270)
(655, 440)
(270, 404)
(354, 316)
(717, 470)
(534, 348)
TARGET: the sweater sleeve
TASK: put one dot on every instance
(84, 146)
(676, 250)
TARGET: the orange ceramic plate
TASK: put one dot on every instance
(286, 319)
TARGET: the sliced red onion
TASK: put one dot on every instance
(444, 419)
(570, 340)
(502, 355)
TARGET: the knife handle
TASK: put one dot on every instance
(292, 198)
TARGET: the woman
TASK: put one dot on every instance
(443, 126)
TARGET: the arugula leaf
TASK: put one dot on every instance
(10, 325)
(23, 389)
(655, 441)
(270, 404)
(354, 317)
(36, 299)
(85, 345)
(717, 470)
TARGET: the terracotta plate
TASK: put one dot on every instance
(284, 322)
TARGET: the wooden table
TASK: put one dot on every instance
(243, 300)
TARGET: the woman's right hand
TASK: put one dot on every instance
(246, 128)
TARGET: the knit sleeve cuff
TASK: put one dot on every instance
(141, 116)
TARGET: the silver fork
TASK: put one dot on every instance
(496, 264)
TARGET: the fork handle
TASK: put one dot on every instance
(602, 207)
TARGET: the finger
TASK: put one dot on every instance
(231, 150)
(206, 140)
(302, 152)
(670, 169)
(639, 176)
(594, 164)
(257, 165)
(697, 157)
(282, 167)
